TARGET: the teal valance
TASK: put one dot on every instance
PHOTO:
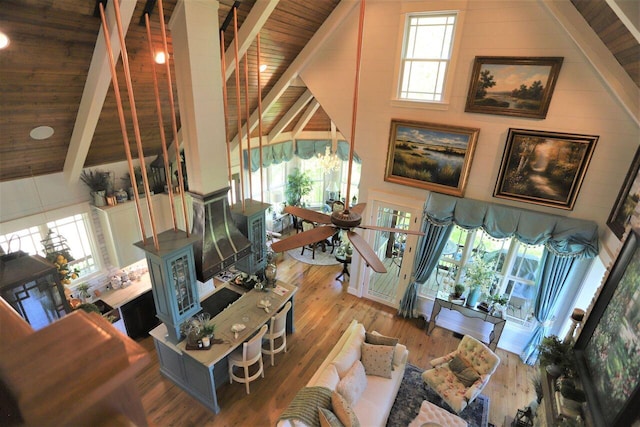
(343, 152)
(272, 154)
(561, 235)
(307, 148)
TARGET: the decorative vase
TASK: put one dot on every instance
(474, 296)
(99, 198)
(270, 273)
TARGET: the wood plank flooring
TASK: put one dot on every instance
(323, 310)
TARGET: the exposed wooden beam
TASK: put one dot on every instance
(306, 116)
(612, 73)
(304, 99)
(251, 26)
(629, 13)
(95, 92)
(324, 32)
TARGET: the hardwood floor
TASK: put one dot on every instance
(323, 310)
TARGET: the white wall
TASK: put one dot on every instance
(581, 103)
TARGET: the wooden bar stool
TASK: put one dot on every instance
(277, 329)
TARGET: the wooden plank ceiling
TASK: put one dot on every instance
(44, 69)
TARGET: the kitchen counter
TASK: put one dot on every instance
(116, 298)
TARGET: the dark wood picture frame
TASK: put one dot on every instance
(627, 199)
(512, 86)
(606, 346)
(545, 168)
(430, 156)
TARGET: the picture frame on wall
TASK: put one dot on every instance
(627, 199)
(607, 349)
(512, 86)
(431, 156)
(545, 168)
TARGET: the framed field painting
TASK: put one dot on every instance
(627, 200)
(512, 86)
(431, 156)
(608, 347)
(545, 168)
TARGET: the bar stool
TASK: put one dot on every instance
(247, 356)
(277, 329)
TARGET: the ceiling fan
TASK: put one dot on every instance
(349, 218)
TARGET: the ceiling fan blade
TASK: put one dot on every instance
(392, 230)
(365, 251)
(308, 237)
(308, 214)
(359, 208)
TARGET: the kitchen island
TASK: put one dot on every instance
(200, 372)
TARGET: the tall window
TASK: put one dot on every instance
(517, 267)
(426, 53)
(76, 229)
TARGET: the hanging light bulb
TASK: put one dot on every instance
(329, 162)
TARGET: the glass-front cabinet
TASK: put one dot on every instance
(173, 279)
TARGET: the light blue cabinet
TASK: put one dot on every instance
(251, 222)
(173, 279)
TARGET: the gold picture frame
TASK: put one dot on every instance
(431, 156)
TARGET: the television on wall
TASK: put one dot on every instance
(608, 348)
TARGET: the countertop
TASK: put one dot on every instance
(119, 297)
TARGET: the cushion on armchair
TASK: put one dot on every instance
(463, 370)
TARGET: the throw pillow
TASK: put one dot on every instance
(378, 339)
(377, 359)
(349, 353)
(343, 411)
(353, 384)
(463, 370)
(328, 418)
(328, 378)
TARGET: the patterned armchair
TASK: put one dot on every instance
(460, 376)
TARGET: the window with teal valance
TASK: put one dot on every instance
(272, 154)
(307, 148)
(561, 235)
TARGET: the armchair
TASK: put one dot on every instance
(460, 381)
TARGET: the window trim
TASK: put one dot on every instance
(444, 103)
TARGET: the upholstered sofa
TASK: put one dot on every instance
(337, 378)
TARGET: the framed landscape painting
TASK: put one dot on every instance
(512, 86)
(627, 199)
(608, 347)
(431, 156)
(545, 168)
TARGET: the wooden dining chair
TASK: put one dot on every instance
(277, 329)
(308, 225)
(246, 356)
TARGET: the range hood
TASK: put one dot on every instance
(220, 244)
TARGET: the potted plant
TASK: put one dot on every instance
(299, 184)
(478, 277)
(98, 181)
(83, 291)
(556, 356)
(458, 290)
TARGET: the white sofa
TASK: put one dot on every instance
(374, 405)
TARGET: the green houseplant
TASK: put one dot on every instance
(556, 356)
(299, 184)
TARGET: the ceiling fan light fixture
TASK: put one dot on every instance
(4, 40)
(41, 132)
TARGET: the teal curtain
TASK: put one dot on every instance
(343, 152)
(555, 273)
(307, 148)
(430, 247)
(560, 235)
(272, 154)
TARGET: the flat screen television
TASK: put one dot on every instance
(608, 348)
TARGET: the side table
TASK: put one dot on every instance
(345, 261)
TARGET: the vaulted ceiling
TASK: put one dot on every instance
(43, 76)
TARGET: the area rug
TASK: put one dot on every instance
(321, 258)
(413, 390)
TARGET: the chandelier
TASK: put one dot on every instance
(329, 162)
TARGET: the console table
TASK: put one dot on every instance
(498, 322)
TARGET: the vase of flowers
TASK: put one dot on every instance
(478, 276)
